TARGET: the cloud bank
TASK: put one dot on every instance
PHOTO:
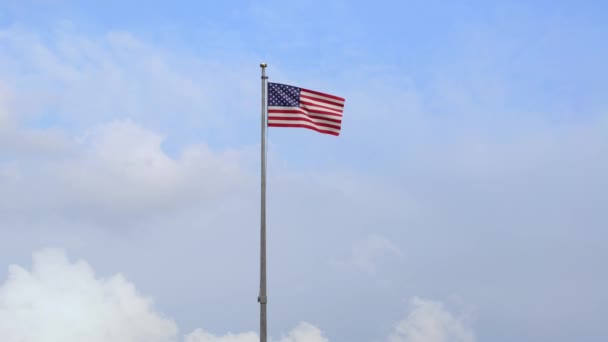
(59, 300)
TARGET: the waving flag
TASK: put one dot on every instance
(290, 106)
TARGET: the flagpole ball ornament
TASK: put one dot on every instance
(263, 65)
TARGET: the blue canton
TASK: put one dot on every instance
(283, 95)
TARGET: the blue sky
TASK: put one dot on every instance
(463, 201)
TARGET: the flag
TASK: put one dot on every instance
(290, 106)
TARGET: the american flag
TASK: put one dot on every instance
(290, 106)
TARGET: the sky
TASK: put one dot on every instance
(464, 200)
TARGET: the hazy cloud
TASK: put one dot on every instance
(85, 80)
(119, 169)
(366, 254)
(119, 157)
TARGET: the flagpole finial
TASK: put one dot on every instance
(263, 65)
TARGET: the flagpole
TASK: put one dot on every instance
(262, 299)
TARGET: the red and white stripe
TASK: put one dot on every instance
(318, 111)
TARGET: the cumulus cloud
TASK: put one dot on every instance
(429, 321)
(63, 301)
(59, 300)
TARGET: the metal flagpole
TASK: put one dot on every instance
(262, 299)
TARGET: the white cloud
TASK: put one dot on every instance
(63, 301)
(429, 321)
(59, 300)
